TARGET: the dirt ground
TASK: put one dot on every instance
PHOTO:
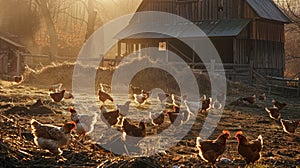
(17, 149)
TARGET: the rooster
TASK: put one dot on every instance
(84, 122)
(210, 150)
(51, 137)
(250, 150)
(103, 96)
(273, 112)
(157, 118)
(124, 108)
(289, 126)
(278, 104)
(58, 96)
(110, 117)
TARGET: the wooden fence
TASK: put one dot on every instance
(283, 86)
(235, 72)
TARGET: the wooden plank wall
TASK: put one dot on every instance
(197, 10)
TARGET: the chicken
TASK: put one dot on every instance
(262, 96)
(177, 100)
(289, 126)
(206, 103)
(132, 134)
(56, 87)
(278, 104)
(157, 118)
(162, 96)
(146, 93)
(210, 150)
(250, 99)
(124, 108)
(110, 117)
(84, 122)
(178, 117)
(58, 96)
(250, 150)
(140, 98)
(192, 106)
(135, 90)
(104, 87)
(273, 112)
(51, 137)
(133, 130)
(103, 96)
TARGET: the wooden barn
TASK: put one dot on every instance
(243, 31)
(11, 59)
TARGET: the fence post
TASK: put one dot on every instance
(251, 72)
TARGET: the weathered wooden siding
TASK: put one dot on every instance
(268, 57)
(267, 30)
(196, 10)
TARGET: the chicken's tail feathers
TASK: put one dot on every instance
(198, 140)
(267, 109)
(260, 138)
(34, 124)
(150, 115)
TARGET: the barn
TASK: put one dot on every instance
(11, 59)
(244, 32)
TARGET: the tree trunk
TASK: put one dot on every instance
(91, 19)
(50, 27)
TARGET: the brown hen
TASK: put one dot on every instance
(58, 96)
(103, 96)
(210, 150)
(250, 150)
(289, 126)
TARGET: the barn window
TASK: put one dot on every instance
(162, 46)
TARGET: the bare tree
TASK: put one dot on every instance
(44, 4)
(92, 14)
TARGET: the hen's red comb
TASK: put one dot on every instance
(226, 132)
(71, 109)
(72, 122)
(238, 133)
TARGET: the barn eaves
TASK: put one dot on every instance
(216, 28)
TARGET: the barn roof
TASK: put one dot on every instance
(217, 28)
(11, 42)
(269, 10)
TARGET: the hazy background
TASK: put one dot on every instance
(60, 27)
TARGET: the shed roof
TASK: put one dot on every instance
(269, 10)
(216, 28)
(12, 42)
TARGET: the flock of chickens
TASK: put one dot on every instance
(177, 108)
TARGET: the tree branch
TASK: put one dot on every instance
(73, 17)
